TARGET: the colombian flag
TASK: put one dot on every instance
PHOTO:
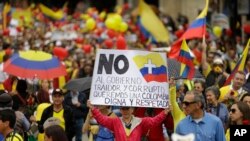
(240, 64)
(197, 29)
(6, 14)
(187, 66)
(152, 67)
(55, 15)
(150, 25)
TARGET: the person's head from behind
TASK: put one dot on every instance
(193, 102)
(126, 112)
(246, 99)
(7, 121)
(55, 133)
(239, 112)
(6, 101)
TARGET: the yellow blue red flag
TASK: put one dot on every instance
(197, 29)
(187, 66)
(240, 64)
(6, 14)
(150, 25)
(152, 67)
(56, 15)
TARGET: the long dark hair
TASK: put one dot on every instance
(245, 110)
(56, 132)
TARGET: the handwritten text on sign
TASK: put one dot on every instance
(130, 78)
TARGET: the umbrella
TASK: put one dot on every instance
(174, 67)
(34, 64)
(80, 84)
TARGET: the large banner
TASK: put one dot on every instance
(130, 78)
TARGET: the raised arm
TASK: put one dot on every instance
(103, 120)
(177, 113)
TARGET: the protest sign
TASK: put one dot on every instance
(130, 78)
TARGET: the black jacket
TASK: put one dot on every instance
(68, 117)
(79, 112)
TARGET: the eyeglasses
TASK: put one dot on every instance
(186, 103)
(233, 110)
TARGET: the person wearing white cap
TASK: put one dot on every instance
(217, 75)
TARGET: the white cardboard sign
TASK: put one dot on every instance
(130, 78)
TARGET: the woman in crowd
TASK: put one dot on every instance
(238, 115)
(246, 99)
(214, 106)
(127, 127)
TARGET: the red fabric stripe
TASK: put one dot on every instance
(157, 78)
(194, 33)
(186, 61)
(41, 74)
(175, 50)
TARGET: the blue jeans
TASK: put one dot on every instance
(78, 127)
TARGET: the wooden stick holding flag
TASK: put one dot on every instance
(240, 64)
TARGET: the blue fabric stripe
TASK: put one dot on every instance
(185, 72)
(198, 23)
(185, 54)
(37, 65)
(144, 31)
(155, 71)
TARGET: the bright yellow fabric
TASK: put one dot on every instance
(2, 53)
(227, 135)
(207, 71)
(16, 137)
(224, 90)
(152, 23)
(1, 86)
(59, 115)
(39, 110)
(62, 81)
(177, 113)
(38, 115)
(127, 131)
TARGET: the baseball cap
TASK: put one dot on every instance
(218, 61)
(57, 91)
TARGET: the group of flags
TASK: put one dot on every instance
(154, 30)
(9, 13)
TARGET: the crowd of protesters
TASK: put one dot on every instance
(205, 102)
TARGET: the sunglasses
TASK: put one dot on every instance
(186, 103)
(232, 110)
